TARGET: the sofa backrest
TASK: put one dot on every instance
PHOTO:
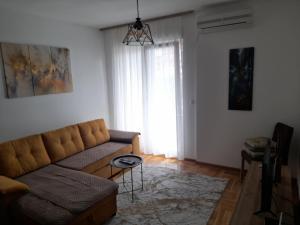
(93, 133)
(63, 142)
(21, 156)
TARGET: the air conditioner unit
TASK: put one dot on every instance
(225, 21)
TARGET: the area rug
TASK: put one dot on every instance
(170, 197)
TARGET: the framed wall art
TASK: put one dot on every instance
(241, 65)
(35, 70)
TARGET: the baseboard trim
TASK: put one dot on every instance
(214, 165)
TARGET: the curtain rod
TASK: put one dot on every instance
(149, 20)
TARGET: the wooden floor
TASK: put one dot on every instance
(226, 206)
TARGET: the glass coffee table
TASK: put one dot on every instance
(128, 161)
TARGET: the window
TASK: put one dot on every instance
(162, 70)
(147, 97)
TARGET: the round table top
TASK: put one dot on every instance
(117, 161)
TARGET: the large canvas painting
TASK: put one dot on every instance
(16, 63)
(35, 70)
(241, 67)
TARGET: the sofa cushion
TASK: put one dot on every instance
(63, 142)
(41, 211)
(72, 190)
(22, 156)
(8, 185)
(93, 133)
(92, 155)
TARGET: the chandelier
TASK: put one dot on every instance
(139, 33)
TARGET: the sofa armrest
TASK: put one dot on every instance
(8, 185)
(122, 136)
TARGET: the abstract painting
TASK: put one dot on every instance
(36, 70)
(16, 63)
(62, 79)
(40, 69)
(241, 65)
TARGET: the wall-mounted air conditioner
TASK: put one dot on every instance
(224, 21)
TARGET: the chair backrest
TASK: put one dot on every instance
(283, 135)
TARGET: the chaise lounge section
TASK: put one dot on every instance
(60, 177)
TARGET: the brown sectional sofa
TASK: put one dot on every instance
(59, 177)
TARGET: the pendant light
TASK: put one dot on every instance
(139, 33)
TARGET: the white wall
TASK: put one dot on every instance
(189, 86)
(30, 115)
(276, 95)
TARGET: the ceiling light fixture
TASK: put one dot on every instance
(139, 33)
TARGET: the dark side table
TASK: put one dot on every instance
(135, 161)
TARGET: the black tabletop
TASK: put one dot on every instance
(133, 159)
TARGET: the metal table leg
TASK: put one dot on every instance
(131, 185)
(142, 176)
(123, 178)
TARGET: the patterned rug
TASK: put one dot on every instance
(170, 197)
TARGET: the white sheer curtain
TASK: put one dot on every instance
(145, 86)
(124, 68)
(162, 127)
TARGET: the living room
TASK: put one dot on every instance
(112, 81)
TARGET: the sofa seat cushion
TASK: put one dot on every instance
(72, 190)
(24, 212)
(90, 156)
(22, 156)
(63, 142)
(41, 211)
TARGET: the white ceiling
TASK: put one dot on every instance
(103, 13)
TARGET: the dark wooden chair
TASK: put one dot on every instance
(282, 135)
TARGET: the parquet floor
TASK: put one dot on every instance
(227, 203)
